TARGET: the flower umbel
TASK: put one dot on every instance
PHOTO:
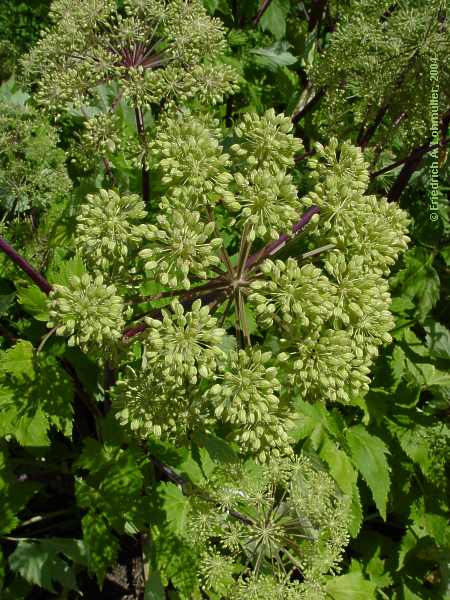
(86, 310)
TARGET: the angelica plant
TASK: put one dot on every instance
(378, 59)
(148, 54)
(280, 519)
(32, 168)
(206, 322)
(330, 317)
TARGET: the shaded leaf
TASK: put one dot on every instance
(274, 19)
(352, 586)
(275, 56)
(368, 454)
(40, 563)
(438, 339)
(102, 547)
(18, 360)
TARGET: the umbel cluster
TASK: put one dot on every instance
(198, 294)
(199, 364)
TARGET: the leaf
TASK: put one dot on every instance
(177, 562)
(32, 406)
(5, 302)
(344, 473)
(426, 375)
(414, 343)
(314, 422)
(438, 339)
(368, 454)
(445, 253)
(218, 450)
(14, 495)
(340, 466)
(18, 360)
(102, 547)
(397, 363)
(40, 563)
(177, 507)
(401, 305)
(356, 512)
(419, 280)
(351, 586)
(274, 19)
(34, 302)
(114, 485)
(275, 56)
(67, 268)
(154, 589)
(211, 5)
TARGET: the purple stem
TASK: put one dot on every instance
(252, 261)
(275, 246)
(264, 6)
(38, 279)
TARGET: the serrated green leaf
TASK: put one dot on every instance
(351, 586)
(211, 5)
(275, 56)
(274, 19)
(426, 375)
(14, 495)
(177, 507)
(154, 589)
(401, 305)
(102, 547)
(314, 422)
(368, 454)
(344, 473)
(67, 268)
(340, 466)
(114, 485)
(218, 450)
(40, 563)
(5, 302)
(45, 400)
(177, 562)
(357, 516)
(34, 302)
(397, 364)
(438, 339)
(419, 280)
(18, 360)
(445, 253)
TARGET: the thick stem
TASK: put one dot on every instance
(316, 14)
(18, 260)
(219, 295)
(308, 106)
(274, 247)
(262, 9)
(402, 161)
(411, 164)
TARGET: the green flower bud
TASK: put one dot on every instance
(190, 342)
(109, 229)
(266, 141)
(180, 244)
(87, 311)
